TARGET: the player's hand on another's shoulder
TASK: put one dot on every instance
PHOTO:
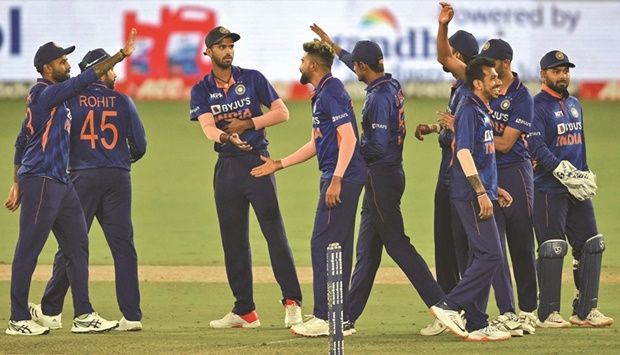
(270, 167)
(236, 140)
(503, 198)
(322, 35)
(13, 201)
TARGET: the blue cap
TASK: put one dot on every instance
(465, 43)
(93, 57)
(48, 52)
(218, 34)
(364, 51)
(554, 59)
(496, 49)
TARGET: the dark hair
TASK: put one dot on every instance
(473, 71)
(322, 52)
(376, 68)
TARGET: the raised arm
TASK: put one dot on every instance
(444, 52)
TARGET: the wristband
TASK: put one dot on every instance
(480, 194)
(123, 54)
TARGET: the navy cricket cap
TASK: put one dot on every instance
(93, 57)
(48, 52)
(496, 49)
(554, 59)
(465, 43)
(219, 33)
(365, 51)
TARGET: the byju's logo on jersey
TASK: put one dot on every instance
(568, 127)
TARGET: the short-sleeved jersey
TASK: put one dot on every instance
(242, 100)
(42, 146)
(473, 130)
(332, 107)
(457, 92)
(515, 109)
(106, 130)
(557, 135)
(383, 123)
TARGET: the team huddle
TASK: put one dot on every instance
(513, 171)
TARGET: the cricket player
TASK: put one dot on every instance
(563, 209)
(474, 192)
(382, 141)
(107, 137)
(512, 119)
(228, 103)
(334, 143)
(47, 195)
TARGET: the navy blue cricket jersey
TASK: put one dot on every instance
(332, 107)
(515, 109)
(474, 131)
(557, 135)
(42, 146)
(243, 99)
(106, 130)
(458, 91)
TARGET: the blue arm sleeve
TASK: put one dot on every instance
(376, 146)
(56, 94)
(537, 139)
(349, 64)
(136, 137)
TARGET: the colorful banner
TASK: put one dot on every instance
(170, 44)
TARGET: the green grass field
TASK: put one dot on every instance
(175, 224)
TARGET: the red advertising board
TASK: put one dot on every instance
(169, 58)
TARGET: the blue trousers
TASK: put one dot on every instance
(235, 189)
(471, 293)
(382, 225)
(451, 248)
(333, 225)
(104, 193)
(515, 227)
(48, 205)
(561, 216)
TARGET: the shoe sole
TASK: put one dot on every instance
(92, 331)
(249, 325)
(430, 334)
(553, 326)
(457, 331)
(586, 323)
(26, 334)
(309, 335)
(486, 339)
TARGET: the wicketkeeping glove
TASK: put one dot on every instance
(581, 184)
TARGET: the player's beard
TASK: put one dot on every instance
(304, 79)
(60, 76)
(560, 86)
(220, 62)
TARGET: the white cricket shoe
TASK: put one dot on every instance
(232, 320)
(595, 318)
(312, 327)
(125, 325)
(92, 323)
(435, 328)
(528, 322)
(25, 327)
(554, 320)
(292, 314)
(490, 333)
(508, 322)
(52, 322)
(451, 319)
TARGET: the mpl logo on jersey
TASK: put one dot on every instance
(168, 59)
